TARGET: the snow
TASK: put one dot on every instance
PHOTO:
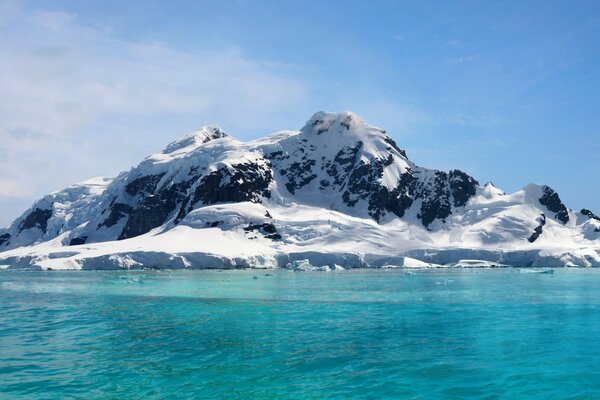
(318, 231)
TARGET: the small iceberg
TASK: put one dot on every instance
(536, 271)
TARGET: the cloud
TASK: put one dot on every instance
(76, 100)
(464, 59)
(402, 118)
(10, 188)
(456, 43)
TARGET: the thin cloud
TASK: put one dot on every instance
(468, 58)
(73, 97)
(9, 188)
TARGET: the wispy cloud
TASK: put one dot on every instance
(10, 188)
(73, 95)
(467, 58)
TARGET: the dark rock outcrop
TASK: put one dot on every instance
(154, 210)
(268, 230)
(396, 201)
(78, 240)
(342, 165)
(4, 238)
(143, 185)
(553, 203)
(538, 229)
(393, 145)
(462, 187)
(589, 214)
(299, 174)
(436, 199)
(241, 182)
(116, 212)
(38, 218)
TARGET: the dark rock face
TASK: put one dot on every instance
(143, 185)
(394, 146)
(538, 229)
(299, 174)
(243, 182)
(396, 201)
(462, 187)
(237, 183)
(267, 230)
(590, 214)
(154, 210)
(4, 238)
(78, 240)
(362, 182)
(117, 211)
(553, 203)
(342, 164)
(359, 178)
(319, 127)
(38, 218)
(436, 199)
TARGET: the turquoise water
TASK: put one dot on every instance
(353, 334)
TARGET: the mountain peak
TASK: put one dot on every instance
(194, 139)
(323, 121)
(337, 185)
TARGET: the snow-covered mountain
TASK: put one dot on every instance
(338, 192)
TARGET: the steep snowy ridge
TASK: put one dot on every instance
(337, 192)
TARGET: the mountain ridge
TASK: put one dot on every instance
(336, 163)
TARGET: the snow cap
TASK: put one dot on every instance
(196, 138)
(322, 122)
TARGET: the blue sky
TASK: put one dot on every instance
(507, 91)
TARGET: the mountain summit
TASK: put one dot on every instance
(338, 192)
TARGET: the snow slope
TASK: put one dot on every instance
(337, 193)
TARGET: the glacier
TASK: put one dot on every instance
(338, 193)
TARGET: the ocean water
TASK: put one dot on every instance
(481, 334)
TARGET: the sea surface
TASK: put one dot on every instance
(385, 334)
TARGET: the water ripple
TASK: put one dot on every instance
(357, 334)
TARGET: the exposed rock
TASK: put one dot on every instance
(154, 210)
(342, 164)
(362, 182)
(299, 175)
(590, 214)
(393, 145)
(553, 203)
(78, 240)
(144, 185)
(538, 229)
(117, 211)
(4, 238)
(462, 186)
(243, 182)
(436, 199)
(38, 218)
(268, 230)
(396, 201)
(336, 163)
